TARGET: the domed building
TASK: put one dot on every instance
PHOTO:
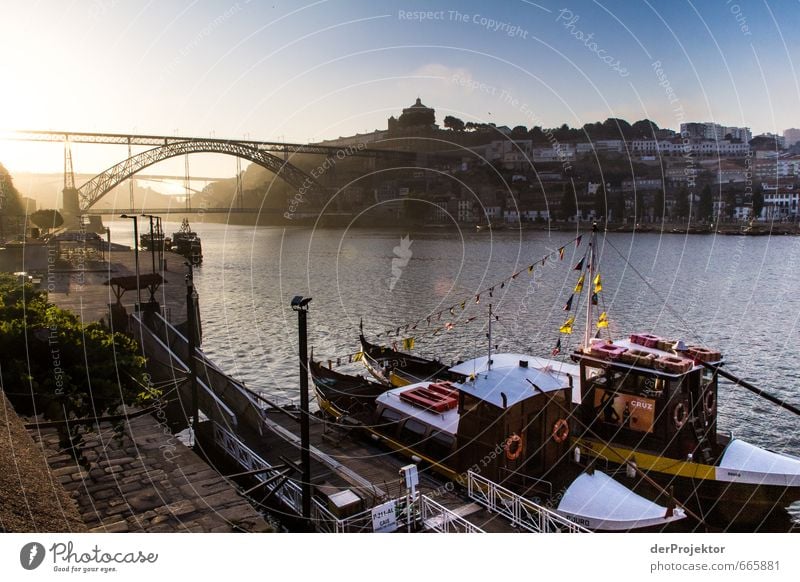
(418, 116)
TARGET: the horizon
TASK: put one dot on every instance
(326, 69)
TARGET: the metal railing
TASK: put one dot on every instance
(522, 512)
(436, 517)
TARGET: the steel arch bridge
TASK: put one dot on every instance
(100, 185)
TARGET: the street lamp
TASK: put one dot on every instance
(136, 258)
(300, 305)
(152, 239)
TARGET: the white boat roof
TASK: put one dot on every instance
(508, 377)
(750, 463)
(627, 343)
(444, 421)
(601, 503)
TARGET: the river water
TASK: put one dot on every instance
(738, 294)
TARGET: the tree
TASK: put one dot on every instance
(644, 128)
(47, 219)
(758, 202)
(454, 123)
(71, 371)
(705, 208)
(730, 203)
(659, 206)
(682, 207)
(601, 203)
(569, 206)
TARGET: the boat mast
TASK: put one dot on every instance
(587, 334)
(489, 361)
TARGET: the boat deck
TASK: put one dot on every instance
(345, 460)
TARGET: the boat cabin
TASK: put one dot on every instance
(507, 421)
(652, 394)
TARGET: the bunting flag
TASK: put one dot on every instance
(594, 298)
(568, 305)
(408, 343)
(514, 276)
(491, 292)
(428, 319)
(438, 316)
(448, 326)
(477, 299)
(543, 261)
(349, 358)
(561, 254)
(394, 346)
(338, 362)
(502, 285)
(557, 349)
(579, 284)
(451, 311)
(578, 241)
(471, 318)
(530, 269)
(602, 321)
(579, 266)
(598, 285)
(463, 304)
(567, 327)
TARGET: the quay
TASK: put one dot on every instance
(246, 439)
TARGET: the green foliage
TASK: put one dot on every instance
(705, 208)
(454, 123)
(65, 369)
(47, 219)
(758, 202)
(568, 207)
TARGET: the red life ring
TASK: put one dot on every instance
(679, 415)
(513, 447)
(560, 430)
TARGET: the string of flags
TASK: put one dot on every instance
(435, 317)
(596, 288)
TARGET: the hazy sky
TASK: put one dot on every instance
(304, 71)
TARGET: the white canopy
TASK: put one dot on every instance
(598, 502)
(742, 462)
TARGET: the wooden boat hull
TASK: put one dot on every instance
(393, 368)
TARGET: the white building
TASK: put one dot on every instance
(791, 136)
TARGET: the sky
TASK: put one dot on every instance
(304, 71)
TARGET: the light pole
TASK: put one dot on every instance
(300, 305)
(153, 234)
(136, 258)
(191, 334)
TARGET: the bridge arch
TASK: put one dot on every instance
(100, 185)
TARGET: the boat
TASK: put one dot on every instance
(498, 425)
(393, 368)
(186, 243)
(647, 406)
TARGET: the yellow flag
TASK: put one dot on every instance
(408, 343)
(598, 285)
(579, 285)
(358, 356)
(602, 321)
(567, 327)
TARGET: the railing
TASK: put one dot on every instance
(438, 518)
(521, 511)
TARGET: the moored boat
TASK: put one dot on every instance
(506, 423)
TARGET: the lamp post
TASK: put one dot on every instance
(191, 334)
(136, 258)
(152, 242)
(300, 305)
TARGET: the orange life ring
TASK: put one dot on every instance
(710, 403)
(560, 430)
(679, 415)
(513, 447)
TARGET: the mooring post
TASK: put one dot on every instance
(300, 305)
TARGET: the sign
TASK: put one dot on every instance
(625, 410)
(411, 476)
(384, 517)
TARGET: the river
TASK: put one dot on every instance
(737, 294)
